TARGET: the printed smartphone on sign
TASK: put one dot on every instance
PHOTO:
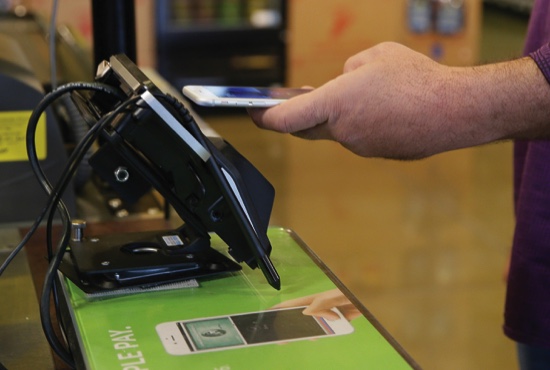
(247, 329)
(240, 96)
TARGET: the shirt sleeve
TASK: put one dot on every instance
(542, 58)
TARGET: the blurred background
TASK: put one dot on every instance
(424, 244)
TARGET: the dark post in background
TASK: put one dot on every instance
(114, 29)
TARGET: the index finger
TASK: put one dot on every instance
(296, 302)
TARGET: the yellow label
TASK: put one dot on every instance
(13, 134)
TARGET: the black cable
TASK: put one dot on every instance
(55, 193)
(40, 109)
(43, 105)
(55, 196)
(78, 128)
(55, 260)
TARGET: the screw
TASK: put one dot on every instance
(102, 69)
(77, 230)
(122, 174)
(216, 216)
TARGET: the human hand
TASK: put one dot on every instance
(379, 106)
(321, 305)
(393, 102)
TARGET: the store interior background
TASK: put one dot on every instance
(424, 244)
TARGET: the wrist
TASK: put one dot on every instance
(501, 101)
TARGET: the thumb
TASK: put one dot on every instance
(300, 113)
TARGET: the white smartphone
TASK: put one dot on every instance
(247, 329)
(239, 96)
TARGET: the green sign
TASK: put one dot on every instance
(235, 322)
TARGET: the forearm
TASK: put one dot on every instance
(508, 100)
(447, 108)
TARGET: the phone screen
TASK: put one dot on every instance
(252, 328)
(243, 92)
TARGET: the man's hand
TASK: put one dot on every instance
(396, 103)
